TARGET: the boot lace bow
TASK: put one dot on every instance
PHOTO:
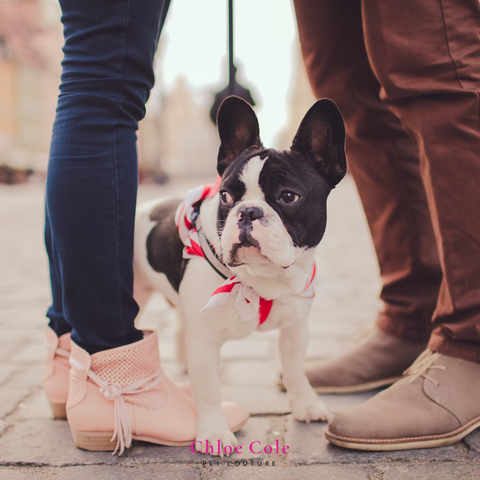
(123, 429)
(122, 425)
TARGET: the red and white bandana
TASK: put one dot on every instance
(247, 301)
(186, 214)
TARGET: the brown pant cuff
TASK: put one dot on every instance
(440, 343)
(406, 329)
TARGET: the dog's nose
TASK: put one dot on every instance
(247, 215)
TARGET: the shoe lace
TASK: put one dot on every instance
(122, 426)
(423, 363)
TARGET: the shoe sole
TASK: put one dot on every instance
(344, 389)
(410, 443)
(102, 441)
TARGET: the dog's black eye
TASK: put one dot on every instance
(225, 197)
(289, 197)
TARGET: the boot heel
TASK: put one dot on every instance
(59, 410)
(93, 441)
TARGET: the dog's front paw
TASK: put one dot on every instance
(216, 442)
(309, 411)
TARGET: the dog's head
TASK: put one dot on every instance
(272, 204)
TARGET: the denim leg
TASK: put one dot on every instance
(55, 312)
(92, 174)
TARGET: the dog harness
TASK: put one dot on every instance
(246, 300)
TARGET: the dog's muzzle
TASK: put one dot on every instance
(246, 215)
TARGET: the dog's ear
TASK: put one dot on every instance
(238, 130)
(321, 137)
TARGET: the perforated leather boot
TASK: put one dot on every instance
(57, 367)
(122, 394)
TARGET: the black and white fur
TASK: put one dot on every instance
(265, 223)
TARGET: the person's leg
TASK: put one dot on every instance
(92, 180)
(385, 165)
(55, 313)
(434, 91)
(427, 59)
(92, 173)
(91, 194)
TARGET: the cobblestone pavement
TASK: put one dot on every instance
(33, 445)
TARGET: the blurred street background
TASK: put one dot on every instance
(177, 137)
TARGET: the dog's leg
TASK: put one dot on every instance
(141, 292)
(305, 403)
(181, 349)
(203, 369)
(205, 334)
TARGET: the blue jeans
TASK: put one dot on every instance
(92, 173)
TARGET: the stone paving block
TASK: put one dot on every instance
(308, 445)
(23, 313)
(8, 351)
(149, 453)
(27, 323)
(472, 441)
(340, 403)
(262, 336)
(158, 316)
(7, 371)
(438, 471)
(257, 400)
(47, 442)
(350, 317)
(10, 398)
(150, 472)
(34, 407)
(174, 371)
(3, 426)
(28, 354)
(243, 349)
(30, 375)
(37, 298)
(167, 351)
(322, 348)
(20, 313)
(16, 336)
(20, 474)
(280, 472)
(250, 372)
(256, 429)
(328, 328)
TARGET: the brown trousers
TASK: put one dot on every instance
(406, 76)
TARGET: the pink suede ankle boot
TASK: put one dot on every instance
(122, 394)
(57, 368)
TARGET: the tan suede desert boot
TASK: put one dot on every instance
(437, 403)
(378, 361)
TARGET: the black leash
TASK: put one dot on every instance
(233, 87)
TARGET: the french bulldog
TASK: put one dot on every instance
(239, 256)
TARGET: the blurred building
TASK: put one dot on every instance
(301, 99)
(30, 55)
(175, 139)
(188, 141)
